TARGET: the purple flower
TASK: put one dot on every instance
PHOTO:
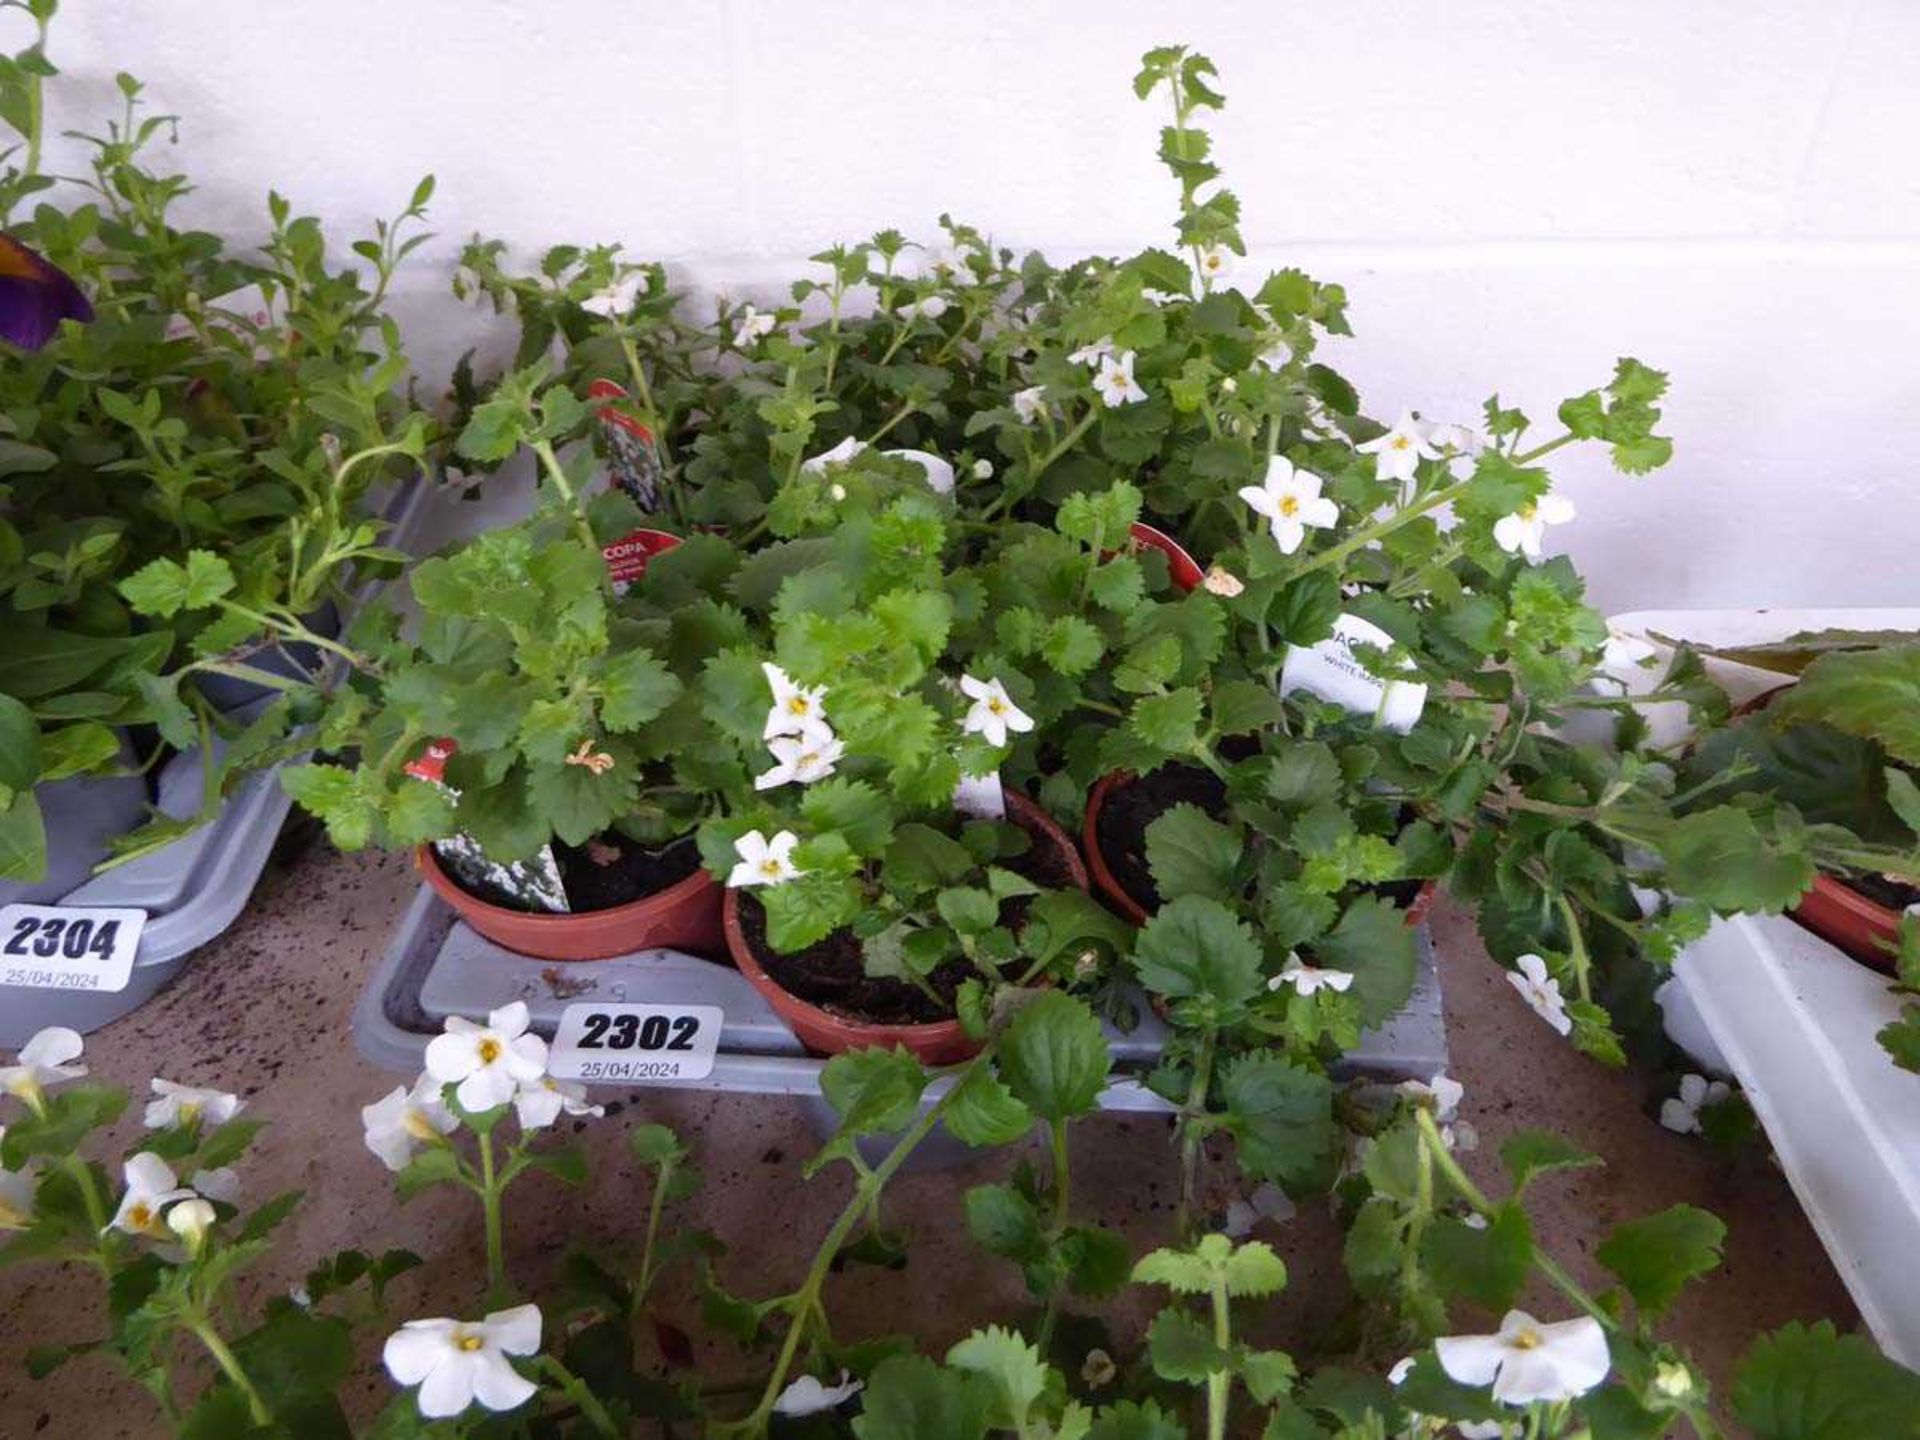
(35, 297)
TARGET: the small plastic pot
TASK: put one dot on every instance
(940, 1042)
(684, 916)
(1116, 895)
(1182, 567)
(1849, 921)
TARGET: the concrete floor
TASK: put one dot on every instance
(265, 1012)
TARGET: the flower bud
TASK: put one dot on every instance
(983, 469)
(190, 1220)
(1672, 1380)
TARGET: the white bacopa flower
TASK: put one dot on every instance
(751, 324)
(1214, 260)
(541, 1102)
(1402, 1368)
(1222, 582)
(1290, 500)
(43, 1061)
(837, 491)
(807, 1396)
(1681, 1113)
(301, 1296)
(615, 299)
(764, 861)
(1480, 1430)
(993, 712)
(1541, 991)
(1526, 1361)
(983, 469)
(1115, 383)
(1460, 439)
(1398, 453)
(1522, 531)
(456, 1362)
(190, 1220)
(802, 759)
(405, 1119)
(1092, 353)
(840, 454)
(796, 710)
(488, 1062)
(1307, 978)
(1030, 404)
(1276, 356)
(151, 1187)
(220, 1183)
(930, 307)
(1473, 1219)
(185, 1104)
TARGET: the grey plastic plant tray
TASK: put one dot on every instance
(193, 888)
(436, 967)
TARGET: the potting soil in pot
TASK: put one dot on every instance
(1130, 807)
(832, 974)
(608, 870)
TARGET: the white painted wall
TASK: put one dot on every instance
(1514, 194)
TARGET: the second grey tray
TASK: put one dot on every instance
(436, 967)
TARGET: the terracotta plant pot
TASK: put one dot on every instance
(1182, 567)
(1839, 914)
(684, 916)
(940, 1042)
(1115, 894)
(1849, 921)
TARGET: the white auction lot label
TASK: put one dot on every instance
(68, 947)
(633, 1044)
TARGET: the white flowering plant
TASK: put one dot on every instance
(608, 1351)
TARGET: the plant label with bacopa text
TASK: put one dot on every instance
(635, 1044)
(1332, 671)
(68, 947)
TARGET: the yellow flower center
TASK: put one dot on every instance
(996, 706)
(770, 868)
(1526, 512)
(12, 1219)
(189, 1111)
(1528, 1339)
(799, 705)
(469, 1343)
(140, 1216)
(490, 1049)
(1401, 442)
(415, 1123)
(1289, 506)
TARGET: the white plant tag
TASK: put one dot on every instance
(61, 947)
(633, 1044)
(1332, 671)
(981, 796)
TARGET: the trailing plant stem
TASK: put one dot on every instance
(229, 1364)
(806, 1301)
(576, 1390)
(1218, 1381)
(1195, 1107)
(490, 1205)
